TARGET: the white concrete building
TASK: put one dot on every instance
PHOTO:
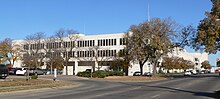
(106, 46)
(196, 58)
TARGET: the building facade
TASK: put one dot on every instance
(96, 52)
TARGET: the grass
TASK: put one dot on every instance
(15, 84)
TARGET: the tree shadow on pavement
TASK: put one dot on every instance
(215, 95)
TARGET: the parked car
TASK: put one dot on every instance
(217, 71)
(194, 72)
(204, 72)
(22, 71)
(3, 71)
(148, 74)
(137, 73)
(36, 71)
(48, 71)
(12, 71)
(58, 71)
(187, 73)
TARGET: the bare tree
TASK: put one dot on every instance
(34, 50)
(53, 53)
(67, 38)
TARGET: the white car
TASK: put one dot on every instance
(187, 73)
(21, 71)
(194, 72)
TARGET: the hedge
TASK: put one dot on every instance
(100, 74)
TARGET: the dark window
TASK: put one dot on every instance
(196, 59)
(114, 42)
(106, 42)
(86, 43)
(103, 42)
(98, 42)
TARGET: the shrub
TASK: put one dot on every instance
(34, 77)
(116, 73)
(100, 74)
(84, 74)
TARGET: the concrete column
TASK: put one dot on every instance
(76, 67)
(96, 65)
(64, 70)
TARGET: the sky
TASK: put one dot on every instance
(19, 18)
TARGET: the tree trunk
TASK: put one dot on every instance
(141, 68)
(125, 69)
(66, 69)
(154, 68)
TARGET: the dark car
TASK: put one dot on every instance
(12, 71)
(48, 71)
(36, 71)
(137, 73)
(3, 71)
(148, 74)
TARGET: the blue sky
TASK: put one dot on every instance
(19, 18)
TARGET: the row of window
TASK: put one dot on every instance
(85, 53)
(35, 46)
(84, 43)
(49, 45)
(122, 41)
(106, 53)
(101, 53)
(107, 42)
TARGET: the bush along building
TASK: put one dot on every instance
(77, 52)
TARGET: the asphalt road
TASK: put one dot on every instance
(196, 87)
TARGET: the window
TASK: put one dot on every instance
(103, 42)
(106, 42)
(59, 44)
(26, 47)
(99, 43)
(71, 54)
(122, 41)
(93, 42)
(196, 59)
(86, 43)
(114, 42)
(80, 44)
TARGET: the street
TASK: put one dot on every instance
(190, 87)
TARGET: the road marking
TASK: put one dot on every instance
(155, 96)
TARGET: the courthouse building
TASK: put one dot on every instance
(106, 46)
